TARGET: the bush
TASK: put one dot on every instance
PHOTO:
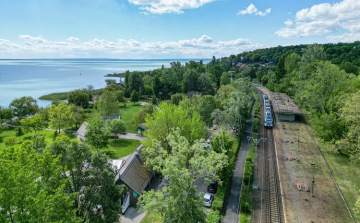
(214, 217)
(248, 175)
(245, 206)
(10, 141)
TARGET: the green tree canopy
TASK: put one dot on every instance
(24, 106)
(61, 116)
(171, 116)
(108, 104)
(134, 97)
(184, 166)
(115, 126)
(96, 135)
(32, 123)
(80, 97)
(31, 189)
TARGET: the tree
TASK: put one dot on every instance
(154, 100)
(349, 68)
(156, 85)
(216, 72)
(61, 116)
(134, 97)
(171, 116)
(108, 104)
(136, 83)
(31, 190)
(190, 81)
(206, 87)
(38, 142)
(32, 123)
(224, 79)
(184, 166)
(96, 135)
(110, 81)
(207, 106)
(115, 126)
(120, 96)
(80, 97)
(19, 132)
(6, 113)
(176, 98)
(141, 115)
(10, 141)
(24, 106)
(90, 176)
(312, 53)
(79, 116)
(170, 82)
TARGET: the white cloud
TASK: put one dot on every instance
(168, 6)
(201, 47)
(289, 22)
(251, 9)
(326, 18)
(71, 39)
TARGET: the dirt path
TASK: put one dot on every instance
(326, 205)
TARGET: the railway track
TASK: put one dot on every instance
(270, 197)
(272, 190)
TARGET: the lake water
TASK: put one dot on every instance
(39, 77)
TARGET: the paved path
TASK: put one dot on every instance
(232, 208)
(132, 136)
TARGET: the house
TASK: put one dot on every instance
(81, 132)
(133, 174)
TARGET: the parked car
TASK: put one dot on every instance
(208, 199)
(212, 188)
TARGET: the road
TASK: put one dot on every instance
(232, 207)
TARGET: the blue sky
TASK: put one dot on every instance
(168, 28)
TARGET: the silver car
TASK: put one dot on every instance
(208, 199)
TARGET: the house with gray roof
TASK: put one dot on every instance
(81, 132)
(133, 174)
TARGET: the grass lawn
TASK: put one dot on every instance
(346, 175)
(127, 114)
(11, 131)
(152, 218)
(123, 147)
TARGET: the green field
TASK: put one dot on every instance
(152, 218)
(123, 147)
(346, 175)
(11, 131)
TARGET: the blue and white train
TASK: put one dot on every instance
(268, 120)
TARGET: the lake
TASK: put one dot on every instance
(44, 76)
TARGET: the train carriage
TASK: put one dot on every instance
(268, 120)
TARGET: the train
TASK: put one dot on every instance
(268, 119)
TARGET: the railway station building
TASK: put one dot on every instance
(284, 107)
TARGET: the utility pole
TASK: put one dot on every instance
(298, 139)
(313, 180)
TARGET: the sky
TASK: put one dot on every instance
(157, 29)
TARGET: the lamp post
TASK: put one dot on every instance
(313, 180)
(115, 153)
